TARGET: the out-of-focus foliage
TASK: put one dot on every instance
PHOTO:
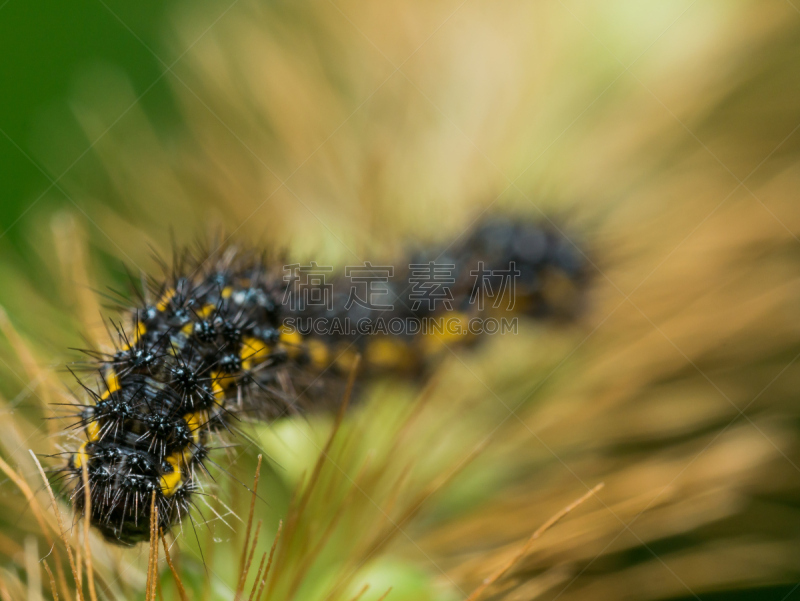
(665, 134)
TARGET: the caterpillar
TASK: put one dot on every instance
(229, 334)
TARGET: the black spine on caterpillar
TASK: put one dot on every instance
(212, 346)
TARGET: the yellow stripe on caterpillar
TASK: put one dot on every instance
(112, 383)
(319, 353)
(292, 342)
(92, 431)
(386, 353)
(222, 380)
(172, 481)
(202, 313)
(346, 358)
(218, 392)
(452, 331)
(195, 421)
(141, 330)
(165, 299)
(80, 456)
(253, 351)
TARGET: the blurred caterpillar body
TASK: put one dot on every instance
(213, 346)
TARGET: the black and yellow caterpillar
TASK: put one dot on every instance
(222, 337)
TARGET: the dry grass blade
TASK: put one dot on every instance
(87, 495)
(258, 576)
(527, 546)
(386, 594)
(150, 551)
(328, 443)
(79, 565)
(26, 490)
(178, 582)
(61, 532)
(415, 506)
(242, 568)
(36, 509)
(71, 251)
(4, 594)
(154, 521)
(311, 555)
(152, 558)
(297, 510)
(53, 590)
(243, 575)
(29, 363)
(360, 593)
(33, 573)
(269, 562)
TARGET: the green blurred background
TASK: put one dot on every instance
(46, 47)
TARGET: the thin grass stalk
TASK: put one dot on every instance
(38, 514)
(258, 576)
(254, 493)
(475, 595)
(53, 590)
(269, 561)
(178, 583)
(87, 495)
(61, 532)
